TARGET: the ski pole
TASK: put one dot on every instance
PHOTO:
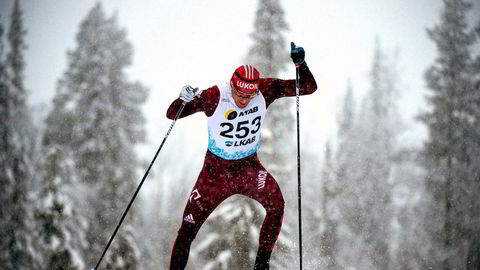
(298, 170)
(140, 185)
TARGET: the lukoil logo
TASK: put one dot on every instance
(245, 85)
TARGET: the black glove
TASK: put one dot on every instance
(297, 54)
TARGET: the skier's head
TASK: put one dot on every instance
(244, 84)
(245, 80)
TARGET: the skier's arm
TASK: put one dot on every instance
(286, 88)
(204, 101)
(276, 88)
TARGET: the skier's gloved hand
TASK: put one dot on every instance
(188, 93)
(297, 54)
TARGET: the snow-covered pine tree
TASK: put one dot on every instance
(311, 210)
(328, 187)
(346, 121)
(367, 187)
(232, 236)
(6, 178)
(346, 116)
(320, 217)
(345, 145)
(60, 235)
(345, 167)
(452, 149)
(16, 142)
(409, 243)
(97, 116)
(379, 125)
(473, 256)
(235, 225)
(326, 237)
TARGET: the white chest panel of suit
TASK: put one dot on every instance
(233, 132)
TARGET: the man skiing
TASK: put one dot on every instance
(236, 111)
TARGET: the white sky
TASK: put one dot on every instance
(201, 43)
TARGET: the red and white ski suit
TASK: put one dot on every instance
(225, 173)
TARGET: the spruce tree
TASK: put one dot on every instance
(97, 116)
(409, 241)
(346, 134)
(452, 148)
(328, 223)
(346, 167)
(323, 194)
(6, 180)
(325, 188)
(473, 256)
(366, 187)
(379, 126)
(15, 160)
(60, 235)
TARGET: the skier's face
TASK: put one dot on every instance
(240, 99)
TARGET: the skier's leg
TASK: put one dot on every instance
(206, 195)
(264, 189)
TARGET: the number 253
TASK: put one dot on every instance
(243, 128)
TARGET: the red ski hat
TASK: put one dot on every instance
(245, 80)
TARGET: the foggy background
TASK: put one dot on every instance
(175, 43)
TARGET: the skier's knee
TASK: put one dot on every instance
(277, 206)
(279, 203)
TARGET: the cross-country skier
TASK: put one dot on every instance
(236, 111)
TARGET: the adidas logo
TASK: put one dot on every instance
(189, 218)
